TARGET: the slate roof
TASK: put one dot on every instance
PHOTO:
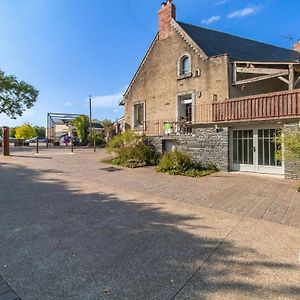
(215, 43)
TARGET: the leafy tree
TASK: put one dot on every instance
(26, 131)
(1, 131)
(40, 130)
(82, 124)
(15, 96)
(12, 132)
(107, 125)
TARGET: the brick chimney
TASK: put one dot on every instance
(297, 46)
(165, 16)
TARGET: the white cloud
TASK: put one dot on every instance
(247, 11)
(221, 2)
(107, 101)
(68, 104)
(211, 20)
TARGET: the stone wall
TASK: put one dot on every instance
(205, 145)
(292, 169)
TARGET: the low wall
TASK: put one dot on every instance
(205, 145)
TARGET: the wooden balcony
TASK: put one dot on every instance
(280, 105)
(259, 107)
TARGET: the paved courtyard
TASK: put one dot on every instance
(74, 228)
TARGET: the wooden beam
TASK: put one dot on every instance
(291, 77)
(267, 62)
(260, 78)
(261, 70)
(234, 73)
(284, 80)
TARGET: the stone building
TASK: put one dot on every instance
(220, 97)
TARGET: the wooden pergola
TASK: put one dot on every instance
(287, 72)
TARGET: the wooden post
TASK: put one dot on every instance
(37, 145)
(234, 75)
(291, 78)
(6, 141)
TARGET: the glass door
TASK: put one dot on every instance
(267, 148)
(243, 150)
(255, 151)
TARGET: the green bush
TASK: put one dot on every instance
(131, 150)
(179, 163)
(100, 141)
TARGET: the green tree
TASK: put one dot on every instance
(26, 131)
(12, 132)
(15, 96)
(40, 130)
(82, 124)
(1, 131)
(107, 124)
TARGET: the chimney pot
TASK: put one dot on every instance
(297, 46)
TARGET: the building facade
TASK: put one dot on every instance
(220, 97)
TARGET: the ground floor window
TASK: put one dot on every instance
(139, 115)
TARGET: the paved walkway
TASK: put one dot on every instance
(257, 196)
(74, 228)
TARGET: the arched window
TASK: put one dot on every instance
(184, 65)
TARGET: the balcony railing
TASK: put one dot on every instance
(167, 127)
(266, 106)
(259, 107)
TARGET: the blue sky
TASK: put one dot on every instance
(72, 49)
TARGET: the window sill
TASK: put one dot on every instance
(184, 76)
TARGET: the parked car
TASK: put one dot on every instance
(33, 140)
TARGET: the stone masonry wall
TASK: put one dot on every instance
(292, 169)
(205, 145)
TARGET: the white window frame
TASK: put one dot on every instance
(180, 73)
(193, 97)
(142, 126)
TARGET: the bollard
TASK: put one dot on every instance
(37, 145)
(72, 145)
(6, 141)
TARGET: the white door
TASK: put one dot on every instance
(254, 151)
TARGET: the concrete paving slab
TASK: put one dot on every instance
(71, 230)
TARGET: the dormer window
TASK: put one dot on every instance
(184, 66)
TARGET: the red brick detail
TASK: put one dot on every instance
(297, 46)
(165, 16)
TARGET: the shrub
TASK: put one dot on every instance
(175, 162)
(100, 141)
(179, 163)
(131, 150)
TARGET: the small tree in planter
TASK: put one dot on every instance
(291, 151)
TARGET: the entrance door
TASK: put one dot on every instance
(254, 151)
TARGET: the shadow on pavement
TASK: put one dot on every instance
(60, 243)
